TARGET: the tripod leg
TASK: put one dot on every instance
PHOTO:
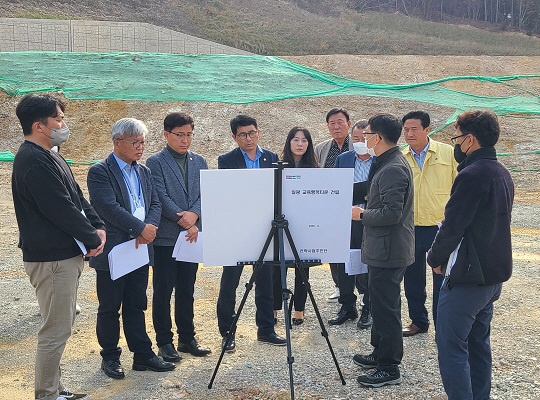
(285, 295)
(249, 286)
(324, 332)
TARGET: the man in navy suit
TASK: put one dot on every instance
(176, 174)
(124, 196)
(248, 154)
(361, 162)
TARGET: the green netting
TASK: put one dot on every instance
(6, 156)
(223, 78)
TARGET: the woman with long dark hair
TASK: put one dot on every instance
(298, 152)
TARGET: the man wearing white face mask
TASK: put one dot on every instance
(123, 193)
(49, 206)
(361, 161)
(387, 248)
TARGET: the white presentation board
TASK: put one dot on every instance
(238, 208)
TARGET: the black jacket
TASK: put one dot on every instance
(48, 204)
(388, 240)
(234, 159)
(479, 210)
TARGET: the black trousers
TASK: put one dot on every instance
(386, 334)
(415, 279)
(264, 299)
(300, 292)
(335, 273)
(169, 274)
(129, 292)
(347, 283)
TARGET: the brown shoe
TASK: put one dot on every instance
(412, 330)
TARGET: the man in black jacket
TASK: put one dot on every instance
(387, 247)
(248, 154)
(473, 248)
(51, 213)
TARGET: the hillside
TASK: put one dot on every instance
(290, 27)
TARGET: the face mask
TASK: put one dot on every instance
(370, 150)
(360, 148)
(460, 155)
(58, 136)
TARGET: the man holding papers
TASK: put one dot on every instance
(48, 205)
(123, 193)
(361, 161)
(176, 174)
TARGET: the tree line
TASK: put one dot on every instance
(519, 14)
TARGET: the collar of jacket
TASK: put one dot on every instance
(483, 153)
(380, 160)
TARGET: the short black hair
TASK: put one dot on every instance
(421, 115)
(334, 111)
(483, 125)
(37, 107)
(386, 125)
(175, 119)
(242, 120)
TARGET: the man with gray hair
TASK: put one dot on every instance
(124, 196)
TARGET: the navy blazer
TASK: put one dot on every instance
(173, 194)
(347, 160)
(110, 198)
(234, 159)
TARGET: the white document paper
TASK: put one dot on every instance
(188, 251)
(452, 259)
(317, 203)
(355, 266)
(125, 258)
(238, 209)
(79, 243)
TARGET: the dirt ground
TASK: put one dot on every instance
(255, 370)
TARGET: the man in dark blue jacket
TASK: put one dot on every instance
(473, 249)
(123, 194)
(248, 154)
(361, 162)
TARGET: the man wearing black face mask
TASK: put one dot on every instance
(473, 249)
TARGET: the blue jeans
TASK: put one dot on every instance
(463, 328)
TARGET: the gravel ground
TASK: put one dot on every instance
(255, 370)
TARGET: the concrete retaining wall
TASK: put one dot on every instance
(19, 34)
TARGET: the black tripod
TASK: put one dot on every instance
(280, 225)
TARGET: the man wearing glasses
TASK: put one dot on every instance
(248, 154)
(176, 174)
(434, 171)
(124, 196)
(473, 250)
(387, 247)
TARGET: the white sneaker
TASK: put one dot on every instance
(77, 308)
(334, 296)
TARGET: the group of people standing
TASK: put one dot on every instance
(419, 201)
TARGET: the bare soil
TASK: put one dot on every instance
(256, 370)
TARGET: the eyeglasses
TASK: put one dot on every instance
(244, 135)
(182, 135)
(453, 139)
(136, 144)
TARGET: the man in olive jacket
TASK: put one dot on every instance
(387, 247)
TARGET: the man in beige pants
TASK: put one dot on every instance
(57, 226)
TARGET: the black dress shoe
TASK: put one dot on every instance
(155, 364)
(298, 321)
(272, 338)
(69, 395)
(193, 348)
(169, 353)
(231, 347)
(344, 315)
(365, 321)
(113, 369)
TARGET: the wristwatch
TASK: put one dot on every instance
(361, 215)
